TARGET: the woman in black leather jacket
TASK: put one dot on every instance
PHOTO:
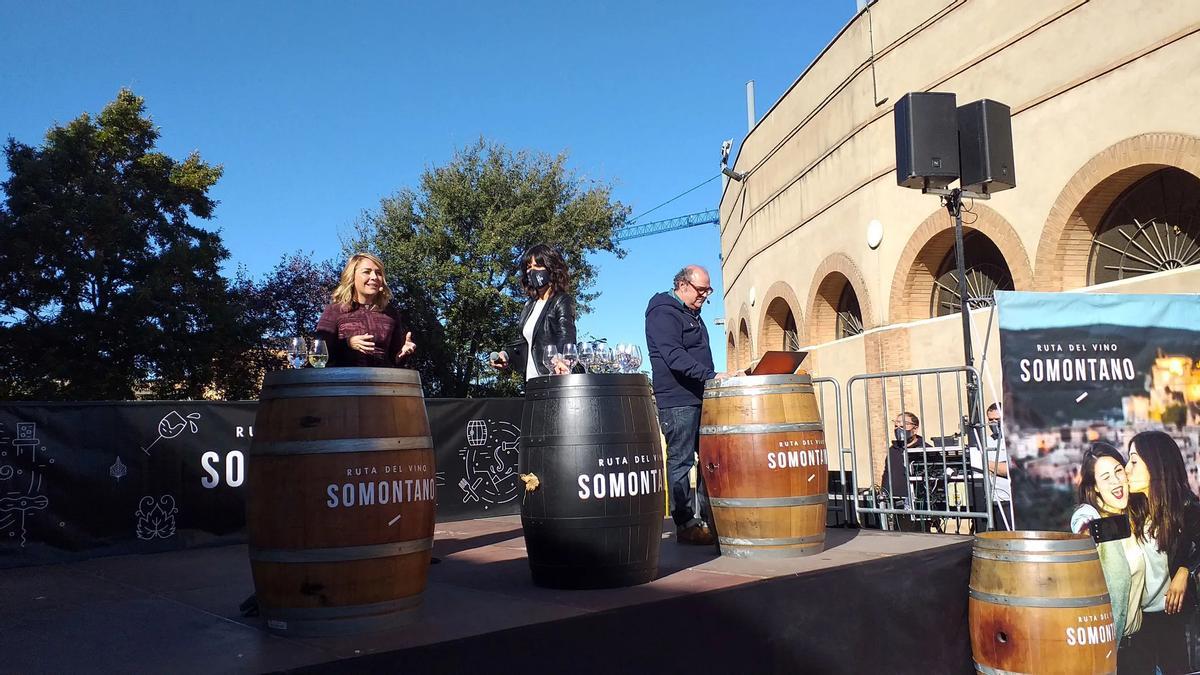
(548, 317)
(1165, 518)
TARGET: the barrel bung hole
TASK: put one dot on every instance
(1002, 637)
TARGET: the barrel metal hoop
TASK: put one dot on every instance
(767, 502)
(776, 428)
(759, 391)
(339, 553)
(760, 552)
(988, 670)
(624, 391)
(757, 381)
(331, 446)
(321, 391)
(1035, 545)
(1017, 557)
(344, 611)
(592, 522)
(319, 376)
(772, 541)
(563, 440)
(1020, 601)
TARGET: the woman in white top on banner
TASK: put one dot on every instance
(548, 319)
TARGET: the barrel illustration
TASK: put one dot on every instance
(340, 499)
(762, 451)
(1039, 604)
(592, 461)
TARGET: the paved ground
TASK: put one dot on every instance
(178, 612)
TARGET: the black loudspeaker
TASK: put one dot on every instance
(985, 148)
(926, 140)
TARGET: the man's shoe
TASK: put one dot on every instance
(699, 535)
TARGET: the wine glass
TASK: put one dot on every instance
(587, 355)
(570, 355)
(625, 358)
(635, 358)
(550, 357)
(604, 356)
(297, 351)
(319, 355)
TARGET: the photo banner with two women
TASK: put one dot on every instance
(1080, 368)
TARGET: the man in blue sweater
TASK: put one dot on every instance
(681, 361)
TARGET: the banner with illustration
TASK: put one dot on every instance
(1080, 368)
(79, 480)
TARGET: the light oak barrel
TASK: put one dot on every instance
(340, 499)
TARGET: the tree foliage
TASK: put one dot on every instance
(285, 303)
(452, 250)
(106, 284)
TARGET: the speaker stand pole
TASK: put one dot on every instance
(973, 422)
(954, 206)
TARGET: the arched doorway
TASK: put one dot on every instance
(926, 279)
(836, 310)
(779, 327)
(849, 314)
(986, 273)
(743, 346)
(730, 353)
(1153, 226)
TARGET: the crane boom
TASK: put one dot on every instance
(635, 230)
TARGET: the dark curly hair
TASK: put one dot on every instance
(1159, 512)
(552, 260)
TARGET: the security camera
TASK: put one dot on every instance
(726, 146)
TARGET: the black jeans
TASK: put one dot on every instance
(1160, 642)
(681, 427)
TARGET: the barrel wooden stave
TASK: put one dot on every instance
(1008, 635)
(574, 429)
(750, 464)
(332, 550)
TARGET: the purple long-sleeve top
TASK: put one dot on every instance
(339, 323)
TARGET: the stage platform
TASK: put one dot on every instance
(872, 602)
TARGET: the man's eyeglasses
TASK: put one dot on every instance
(702, 290)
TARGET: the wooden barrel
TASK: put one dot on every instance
(340, 499)
(1038, 604)
(762, 450)
(595, 519)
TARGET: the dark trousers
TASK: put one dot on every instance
(1160, 642)
(681, 427)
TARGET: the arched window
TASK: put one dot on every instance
(1153, 226)
(987, 272)
(849, 314)
(779, 330)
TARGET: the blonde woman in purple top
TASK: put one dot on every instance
(360, 325)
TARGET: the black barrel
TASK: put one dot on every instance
(595, 519)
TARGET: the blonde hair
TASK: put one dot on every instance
(344, 293)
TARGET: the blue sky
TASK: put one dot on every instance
(317, 110)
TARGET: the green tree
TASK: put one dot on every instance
(105, 283)
(285, 303)
(452, 248)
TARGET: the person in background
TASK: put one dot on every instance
(548, 318)
(680, 363)
(1104, 493)
(1165, 518)
(360, 325)
(997, 466)
(906, 431)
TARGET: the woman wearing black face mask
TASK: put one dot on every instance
(548, 318)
